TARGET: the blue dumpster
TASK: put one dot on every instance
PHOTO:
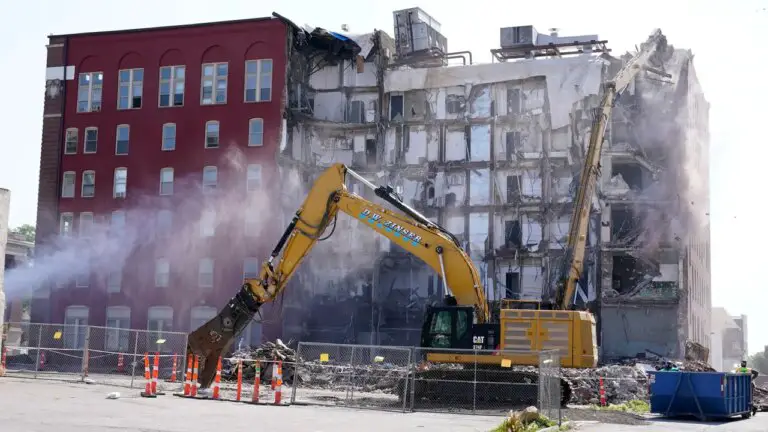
(704, 395)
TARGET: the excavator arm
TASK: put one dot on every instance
(427, 240)
(590, 171)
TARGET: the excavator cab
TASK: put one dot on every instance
(449, 327)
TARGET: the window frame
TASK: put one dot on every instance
(127, 141)
(208, 215)
(115, 194)
(214, 81)
(68, 140)
(85, 140)
(163, 137)
(80, 221)
(64, 175)
(71, 217)
(200, 282)
(90, 106)
(258, 75)
(160, 228)
(173, 178)
(252, 122)
(75, 332)
(248, 177)
(207, 186)
(166, 264)
(218, 134)
(124, 217)
(82, 184)
(256, 266)
(172, 81)
(118, 336)
(131, 84)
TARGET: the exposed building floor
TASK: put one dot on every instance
(37, 406)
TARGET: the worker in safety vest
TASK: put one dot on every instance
(746, 370)
(743, 369)
(669, 367)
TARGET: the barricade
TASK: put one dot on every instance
(233, 384)
(602, 392)
(147, 393)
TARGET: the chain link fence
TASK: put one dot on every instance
(481, 381)
(417, 379)
(549, 386)
(104, 355)
(361, 376)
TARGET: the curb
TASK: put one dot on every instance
(565, 424)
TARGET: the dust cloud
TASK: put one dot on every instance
(153, 226)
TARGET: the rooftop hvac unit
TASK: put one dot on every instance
(520, 36)
(416, 31)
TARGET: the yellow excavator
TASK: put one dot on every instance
(463, 323)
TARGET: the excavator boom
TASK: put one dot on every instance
(427, 240)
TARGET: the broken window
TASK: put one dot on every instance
(512, 286)
(631, 173)
(395, 107)
(479, 187)
(514, 101)
(356, 112)
(513, 235)
(624, 225)
(480, 143)
(626, 274)
(454, 104)
(450, 199)
(513, 188)
(514, 144)
(370, 152)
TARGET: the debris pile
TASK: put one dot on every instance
(369, 374)
(622, 383)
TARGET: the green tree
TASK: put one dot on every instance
(26, 230)
(759, 361)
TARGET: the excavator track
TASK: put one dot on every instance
(482, 387)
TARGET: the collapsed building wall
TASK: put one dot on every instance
(654, 216)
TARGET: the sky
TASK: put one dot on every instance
(724, 36)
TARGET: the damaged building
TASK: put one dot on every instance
(493, 152)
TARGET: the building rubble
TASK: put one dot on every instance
(623, 382)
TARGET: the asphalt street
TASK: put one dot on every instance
(43, 406)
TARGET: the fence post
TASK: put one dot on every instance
(406, 379)
(474, 383)
(350, 393)
(135, 353)
(84, 362)
(414, 366)
(39, 343)
(295, 384)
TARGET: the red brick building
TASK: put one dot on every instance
(171, 128)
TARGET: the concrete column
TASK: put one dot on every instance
(5, 204)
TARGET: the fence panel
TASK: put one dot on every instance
(550, 391)
(106, 355)
(482, 381)
(472, 381)
(61, 351)
(362, 376)
(20, 346)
